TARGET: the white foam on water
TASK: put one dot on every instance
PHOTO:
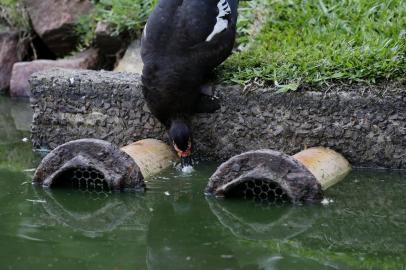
(327, 201)
(187, 169)
(36, 201)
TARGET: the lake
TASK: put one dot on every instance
(174, 226)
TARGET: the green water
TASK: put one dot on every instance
(173, 226)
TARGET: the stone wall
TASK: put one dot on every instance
(368, 129)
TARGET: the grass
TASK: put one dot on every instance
(123, 16)
(311, 42)
(300, 42)
(250, 15)
(13, 15)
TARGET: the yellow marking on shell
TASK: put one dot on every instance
(151, 155)
(328, 166)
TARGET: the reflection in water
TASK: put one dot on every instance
(97, 213)
(364, 227)
(180, 227)
(264, 222)
(367, 214)
(15, 121)
(21, 113)
(175, 238)
(173, 226)
(15, 117)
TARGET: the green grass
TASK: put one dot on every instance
(302, 42)
(13, 15)
(127, 16)
(316, 41)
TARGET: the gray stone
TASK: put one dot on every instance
(11, 51)
(331, 120)
(131, 62)
(19, 85)
(106, 41)
(54, 21)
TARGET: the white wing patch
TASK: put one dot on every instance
(145, 30)
(222, 22)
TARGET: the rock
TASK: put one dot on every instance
(19, 85)
(131, 62)
(111, 46)
(221, 135)
(106, 41)
(10, 53)
(54, 21)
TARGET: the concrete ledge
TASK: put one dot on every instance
(369, 130)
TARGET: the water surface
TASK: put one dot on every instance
(174, 226)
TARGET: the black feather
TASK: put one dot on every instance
(180, 134)
(178, 59)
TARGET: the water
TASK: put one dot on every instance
(173, 226)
